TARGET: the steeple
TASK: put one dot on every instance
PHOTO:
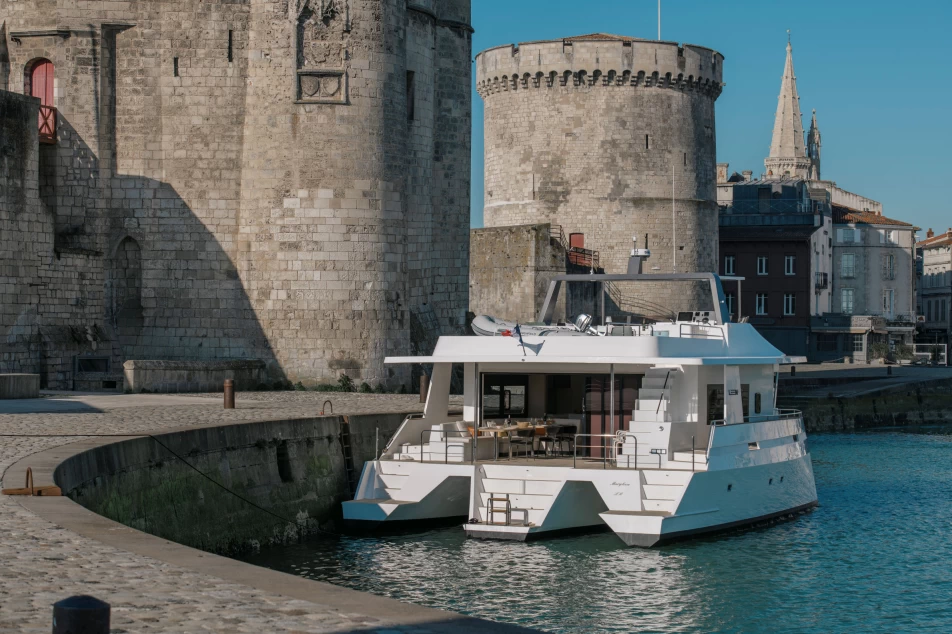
(814, 144)
(788, 156)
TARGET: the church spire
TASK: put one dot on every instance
(814, 144)
(788, 155)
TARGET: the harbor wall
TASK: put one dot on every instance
(908, 405)
(293, 470)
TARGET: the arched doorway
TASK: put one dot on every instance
(127, 293)
(41, 81)
(41, 77)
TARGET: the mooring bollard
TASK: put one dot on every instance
(424, 387)
(81, 615)
(793, 370)
(229, 394)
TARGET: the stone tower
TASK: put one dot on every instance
(814, 147)
(788, 156)
(601, 134)
(355, 184)
(283, 180)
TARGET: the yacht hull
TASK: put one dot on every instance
(716, 501)
(647, 540)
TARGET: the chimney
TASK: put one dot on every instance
(748, 175)
(722, 172)
(930, 233)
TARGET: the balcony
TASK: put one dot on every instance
(48, 125)
(821, 281)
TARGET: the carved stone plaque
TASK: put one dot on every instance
(322, 32)
(322, 86)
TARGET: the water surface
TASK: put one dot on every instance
(875, 556)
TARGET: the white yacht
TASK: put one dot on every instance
(657, 428)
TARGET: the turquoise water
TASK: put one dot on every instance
(876, 556)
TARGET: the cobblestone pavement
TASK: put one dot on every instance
(41, 563)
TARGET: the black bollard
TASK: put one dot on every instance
(229, 394)
(81, 615)
(793, 370)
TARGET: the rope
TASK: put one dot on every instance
(186, 462)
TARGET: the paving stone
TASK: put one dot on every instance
(41, 563)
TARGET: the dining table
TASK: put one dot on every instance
(541, 429)
(496, 432)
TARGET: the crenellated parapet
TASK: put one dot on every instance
(584, 62)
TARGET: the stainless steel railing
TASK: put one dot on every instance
(779, 414)
(446, 444)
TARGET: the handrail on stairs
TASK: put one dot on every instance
(663, 388)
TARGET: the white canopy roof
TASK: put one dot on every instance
(743, 346)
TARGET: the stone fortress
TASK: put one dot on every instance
(280, 183)
(602, 135)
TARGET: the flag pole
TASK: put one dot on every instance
(659, 20)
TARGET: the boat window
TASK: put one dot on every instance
(505, 395)
(757, 403)
(715, 402)
(753, 446)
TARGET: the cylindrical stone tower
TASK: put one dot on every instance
(607, 136)
(344, 245)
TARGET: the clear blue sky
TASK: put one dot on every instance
(876, 72)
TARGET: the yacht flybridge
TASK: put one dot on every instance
(657, 427)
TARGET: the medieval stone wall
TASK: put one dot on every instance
(599, 134)
(240, 178)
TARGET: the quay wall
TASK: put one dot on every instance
(292, 469)
(921, 403)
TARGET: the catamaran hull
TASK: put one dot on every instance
(717, 501)
(645, 540)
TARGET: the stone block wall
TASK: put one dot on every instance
(511, 269)
(241, 180)
(192, 376)
(293, 468)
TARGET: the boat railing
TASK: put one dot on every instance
(462, 447)
(667, 375)
(396, 434)
(780, 414)
(701, 331)
(607, 446)
(619, 441)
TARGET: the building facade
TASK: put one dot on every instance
(776, 235)
(606, 136)
(874, 278)
(935, 288)
(861, 269)
(277, 180)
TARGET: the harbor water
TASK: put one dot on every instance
(876, 556)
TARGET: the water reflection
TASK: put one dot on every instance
(873, 557)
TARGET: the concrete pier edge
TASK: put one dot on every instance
(64, 512)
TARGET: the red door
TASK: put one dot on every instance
(41, 82)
